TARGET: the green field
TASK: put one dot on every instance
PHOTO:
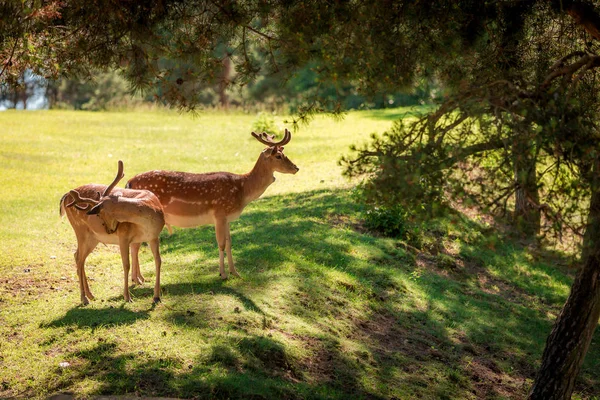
(324, 309)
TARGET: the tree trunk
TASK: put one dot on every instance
(51, 94)
(14, 98)
(527, 216)
(224, 83)
(24, 97)
(572, 333)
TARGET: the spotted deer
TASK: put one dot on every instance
(216, 198)
(127, 217)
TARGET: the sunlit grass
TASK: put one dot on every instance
(323, 311)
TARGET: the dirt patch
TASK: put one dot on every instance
(321, 366)
(326, 364)
(317, 368)
(388, 337)
(488, 381)
(344, 221)
(33, 287)
(465, 270)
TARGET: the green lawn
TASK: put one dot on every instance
(324, 310)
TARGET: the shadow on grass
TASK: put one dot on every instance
(216, 288)
(118, 373)
(415, 331)
(299, 233)
(255, 367)
(87, 317)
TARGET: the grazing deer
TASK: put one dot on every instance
(125, 217)
(216, 198)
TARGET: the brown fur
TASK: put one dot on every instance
(214, 198)
(125, 217)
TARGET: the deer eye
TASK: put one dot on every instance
(278, 156)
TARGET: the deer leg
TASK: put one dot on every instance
(221, 233)
(232, 269)
(157, 264)
(136, 274)
(86, 286)
(124, 247)
(84, 248)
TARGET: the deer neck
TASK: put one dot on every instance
(257, 180)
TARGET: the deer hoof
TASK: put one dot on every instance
(223, 276)
(156, 300)
(234, 273)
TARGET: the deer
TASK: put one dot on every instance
(125, 217)
(216, 198)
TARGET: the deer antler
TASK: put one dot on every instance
(78, 199)
(268, 139)
(119, 176)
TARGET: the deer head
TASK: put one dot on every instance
(106, 202)
(273, 155)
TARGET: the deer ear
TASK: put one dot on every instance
(95, 210)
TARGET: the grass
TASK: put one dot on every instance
(325, 310)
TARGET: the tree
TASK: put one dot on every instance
(544, 115)
(21, 91)
(99, 91)
(522, 78)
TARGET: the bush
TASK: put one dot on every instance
(389, 221)
(444, 261)
(265, 122)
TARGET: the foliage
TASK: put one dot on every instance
(324, 311)
(265, 122)
(306, 83)
(103, 91)
(22, 91)
(389, 221)
(507, 131)
(109, 90)
(177, 49)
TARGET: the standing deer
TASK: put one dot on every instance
(125, 217)
(216, 198)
